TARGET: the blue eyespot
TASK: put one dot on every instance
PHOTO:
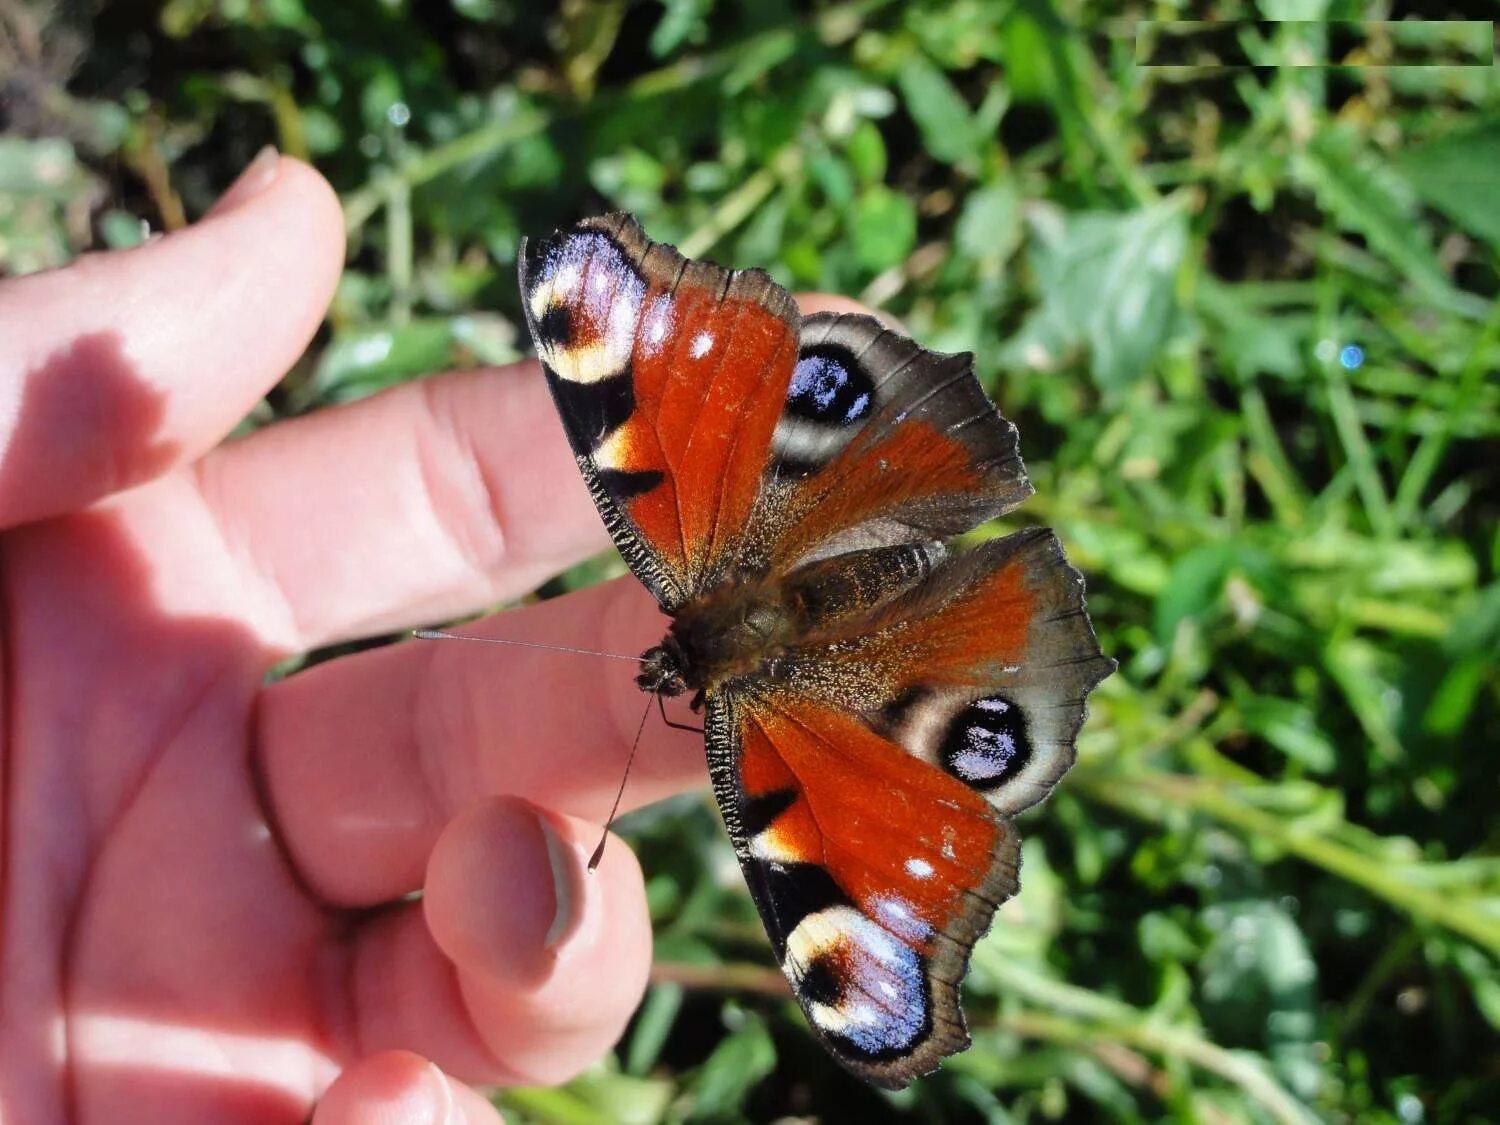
(986, 743)
(829, 387)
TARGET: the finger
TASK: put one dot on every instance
(364, 760)
(811, 303)
(400, 1088)
(519, 966)
(426, 502)
(419, 504)
(123, 364)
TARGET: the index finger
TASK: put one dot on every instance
(364, 759)
(122, 364)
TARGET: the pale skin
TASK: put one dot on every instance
(206, 883)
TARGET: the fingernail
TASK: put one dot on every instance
(565, 891)
(445, 1111)
(258, 175)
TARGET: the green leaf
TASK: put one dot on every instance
(884, 226)
(1281, 10)
(600, 1097)
(42, 185)
(681, 21)
(1356, 666)
(362, 361)
(1459, 175)
(1365, 195)
(1106, 280)
(740, 1061)
(121, 230)
(1251, 342)
(1197, 587)
(653, 1023)
(1259, 988)
(946, 123)
(989, 227)
(1292, 728)
(866, 152)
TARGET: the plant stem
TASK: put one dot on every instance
(740, 204)
(1068, 1004)
(1171, 1043)
(1382, 879)
(359, 205)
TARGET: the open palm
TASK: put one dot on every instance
(208, 910)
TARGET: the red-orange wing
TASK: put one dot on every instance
(881, 442)
(670, 377)
(873, 872)
(868, 780)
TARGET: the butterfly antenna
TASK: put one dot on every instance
(444, 635)
(604, 836)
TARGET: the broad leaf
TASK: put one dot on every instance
(1106, 280)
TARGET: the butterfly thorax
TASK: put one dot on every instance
(751, 625)
(740, 629)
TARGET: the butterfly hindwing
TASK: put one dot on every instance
(868, 782)
(670, 377)
(873, 873)
(981, 670)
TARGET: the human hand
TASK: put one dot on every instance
(206, 881)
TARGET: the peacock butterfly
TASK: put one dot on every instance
(876, 707)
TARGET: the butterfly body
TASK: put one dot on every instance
(752, 628)
(876, 707)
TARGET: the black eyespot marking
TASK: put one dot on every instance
(819, 984)
(986, 743)
(590, 411)
(830, 387)
(757, 813)
(627, 484)
(555, 327)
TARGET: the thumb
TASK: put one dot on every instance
(400, 1088)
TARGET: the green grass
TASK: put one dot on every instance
(1270, 890)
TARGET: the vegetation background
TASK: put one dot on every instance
(1243, 310)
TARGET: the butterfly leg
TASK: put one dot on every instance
(675, 726)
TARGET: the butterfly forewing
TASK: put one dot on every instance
(882, 441)
(670, 376)
(877, 708)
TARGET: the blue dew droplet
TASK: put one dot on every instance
(1351, 357)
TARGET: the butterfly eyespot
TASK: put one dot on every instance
(986, 743)
(555, 326)
(828, 387)
(861, 985)
(819, 984)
